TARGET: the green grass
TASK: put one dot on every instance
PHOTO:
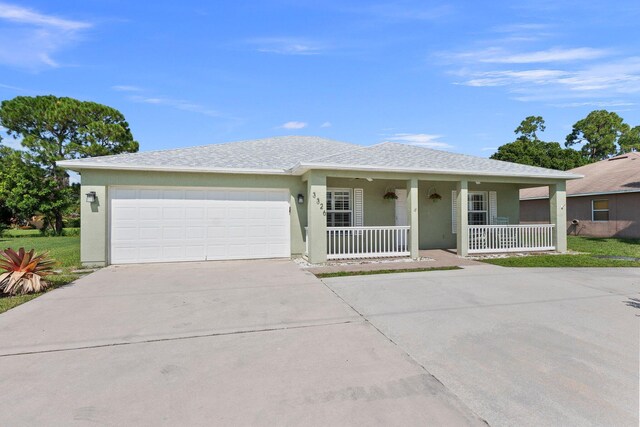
(367, 273)
(36, 233)
(65, 250)
(590, 246)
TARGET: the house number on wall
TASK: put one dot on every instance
(319, 203)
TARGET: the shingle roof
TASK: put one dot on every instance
(396, 156)
(295, 154)
(615, 175)
(278, 153)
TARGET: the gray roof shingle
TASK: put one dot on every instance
(278, 153)
(392, 155)
(294, 154)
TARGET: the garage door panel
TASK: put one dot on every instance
(172, 224)
(194, 213)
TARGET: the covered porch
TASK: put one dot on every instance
(355, 215)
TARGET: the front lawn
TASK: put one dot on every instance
(590, 247)
(65, 250)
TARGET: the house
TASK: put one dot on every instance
(295, 195)
(605, 203)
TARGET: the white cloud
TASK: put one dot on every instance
(497, 55)
(287, 46)
(126, 88)
(421, 139)
(294, 125)
(30, 39)
(619, 78)
(326, 125)
(178, 104)
(23, 15)
(597, 104)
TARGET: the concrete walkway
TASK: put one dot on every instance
(219, 343)
(521, 347)
(437, 258)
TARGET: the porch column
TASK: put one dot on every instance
(558, 214)
(412, 214)
(317, 217)
(462, 218)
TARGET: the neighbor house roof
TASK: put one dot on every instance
(298, 154)
(620, 174)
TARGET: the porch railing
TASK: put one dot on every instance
(367, 242)
(510, 238)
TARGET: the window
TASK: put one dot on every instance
(478, 208)
(339, 208)
(600, 210)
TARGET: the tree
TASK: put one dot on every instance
(527, 149)
(630, 140)
(53, 129)
(529, 128)
(599, 133)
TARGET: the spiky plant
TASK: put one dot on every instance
(24, 271)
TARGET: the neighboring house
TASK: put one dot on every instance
(605, 203)
(285, 196)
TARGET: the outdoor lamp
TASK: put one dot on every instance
(91, 197)
(300, 199)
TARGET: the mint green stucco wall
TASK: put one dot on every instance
(94, 219)
(434, 217)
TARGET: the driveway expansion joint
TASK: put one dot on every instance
(156, 340)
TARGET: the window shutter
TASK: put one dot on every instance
(358, 207)
(454, 212)
(493, 207)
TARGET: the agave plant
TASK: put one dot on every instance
(23, 271)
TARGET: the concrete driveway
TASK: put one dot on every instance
(519, 346)
(220, 343)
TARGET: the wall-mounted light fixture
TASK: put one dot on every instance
(300, 199)
(91, 197)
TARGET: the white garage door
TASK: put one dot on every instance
(171, 224)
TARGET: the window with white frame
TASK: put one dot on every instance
(339, 207)
(600, 210)
(478, 208)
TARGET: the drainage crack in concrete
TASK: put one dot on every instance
(366, 320)
(155, 340)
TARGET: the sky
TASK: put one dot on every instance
(452, 75)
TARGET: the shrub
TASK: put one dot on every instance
(24, 271)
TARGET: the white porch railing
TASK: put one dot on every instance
(510, 238)
(367, 242)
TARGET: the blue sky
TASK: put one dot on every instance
(456, 75)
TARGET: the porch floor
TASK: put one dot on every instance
(439, 258)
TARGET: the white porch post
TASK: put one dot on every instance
(412, 213)
(317, 217)
(462, 219)
(558, 214)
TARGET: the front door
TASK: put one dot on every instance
(402, 217)
(401, 208)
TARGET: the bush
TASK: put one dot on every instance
(24, 271)
(72, 223)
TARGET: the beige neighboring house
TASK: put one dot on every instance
(605, 203)
(307, 196)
